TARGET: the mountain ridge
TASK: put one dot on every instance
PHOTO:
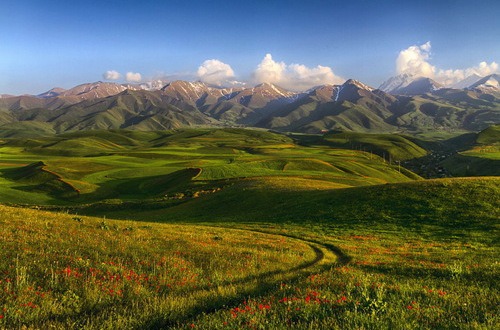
(422, 104)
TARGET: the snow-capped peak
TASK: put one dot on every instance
(358, 84)
(468, 81)
(488, 83)
(400, 81)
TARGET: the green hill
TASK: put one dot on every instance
(238, 228)
(481, 157)
(37, 178)
(389, 146)
(432, 208)
(125, 165)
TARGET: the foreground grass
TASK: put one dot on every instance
(390, 282)
(375, 270)
(64, 271)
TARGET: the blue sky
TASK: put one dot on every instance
(44, 44)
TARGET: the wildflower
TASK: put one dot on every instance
(67, 271)
(262, 306)
(1, 317)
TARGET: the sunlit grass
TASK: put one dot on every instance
(262, 233)
(63, 270)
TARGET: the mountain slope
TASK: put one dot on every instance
(417, 104)
(488, 85)
(353, 106)
(140, 110)
(467, 81)
(397, 82)
(419, 86)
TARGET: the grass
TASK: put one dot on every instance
(389, 146)
(363, 269)
(481, 157)
(123, 165)
(67, 271)
(230, 229)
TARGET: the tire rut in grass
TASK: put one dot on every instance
(326, 257)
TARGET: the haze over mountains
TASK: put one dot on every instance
(402, 103)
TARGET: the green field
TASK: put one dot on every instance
(480, 157)
(97, 166)
(234, 228)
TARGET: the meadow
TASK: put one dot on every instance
(229, 229)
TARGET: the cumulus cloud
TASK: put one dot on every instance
(297, 77)
(111, 75)
(216, 72)
(270, 71)
(415, 60)
(450, 77)
(133, 77)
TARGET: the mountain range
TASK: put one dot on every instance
(403, 103)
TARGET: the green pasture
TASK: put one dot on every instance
(237, 229)
(126, 165)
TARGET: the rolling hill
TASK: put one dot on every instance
(480, 157)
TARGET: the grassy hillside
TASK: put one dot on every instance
(390, 146)
(408, 255)
(239, 229)
(481, 157)
(431, 208)
(63, 271)
(134, 166)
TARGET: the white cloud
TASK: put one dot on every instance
(270, 71)
(215, 72)
(450, 77)
(133, 77)
(415, 60)
(111, 75)
(483, 69)
(297, 77)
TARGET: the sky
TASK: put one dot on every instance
(294, 44)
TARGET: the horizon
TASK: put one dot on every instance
(291, 44)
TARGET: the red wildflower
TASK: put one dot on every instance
(1, 317)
